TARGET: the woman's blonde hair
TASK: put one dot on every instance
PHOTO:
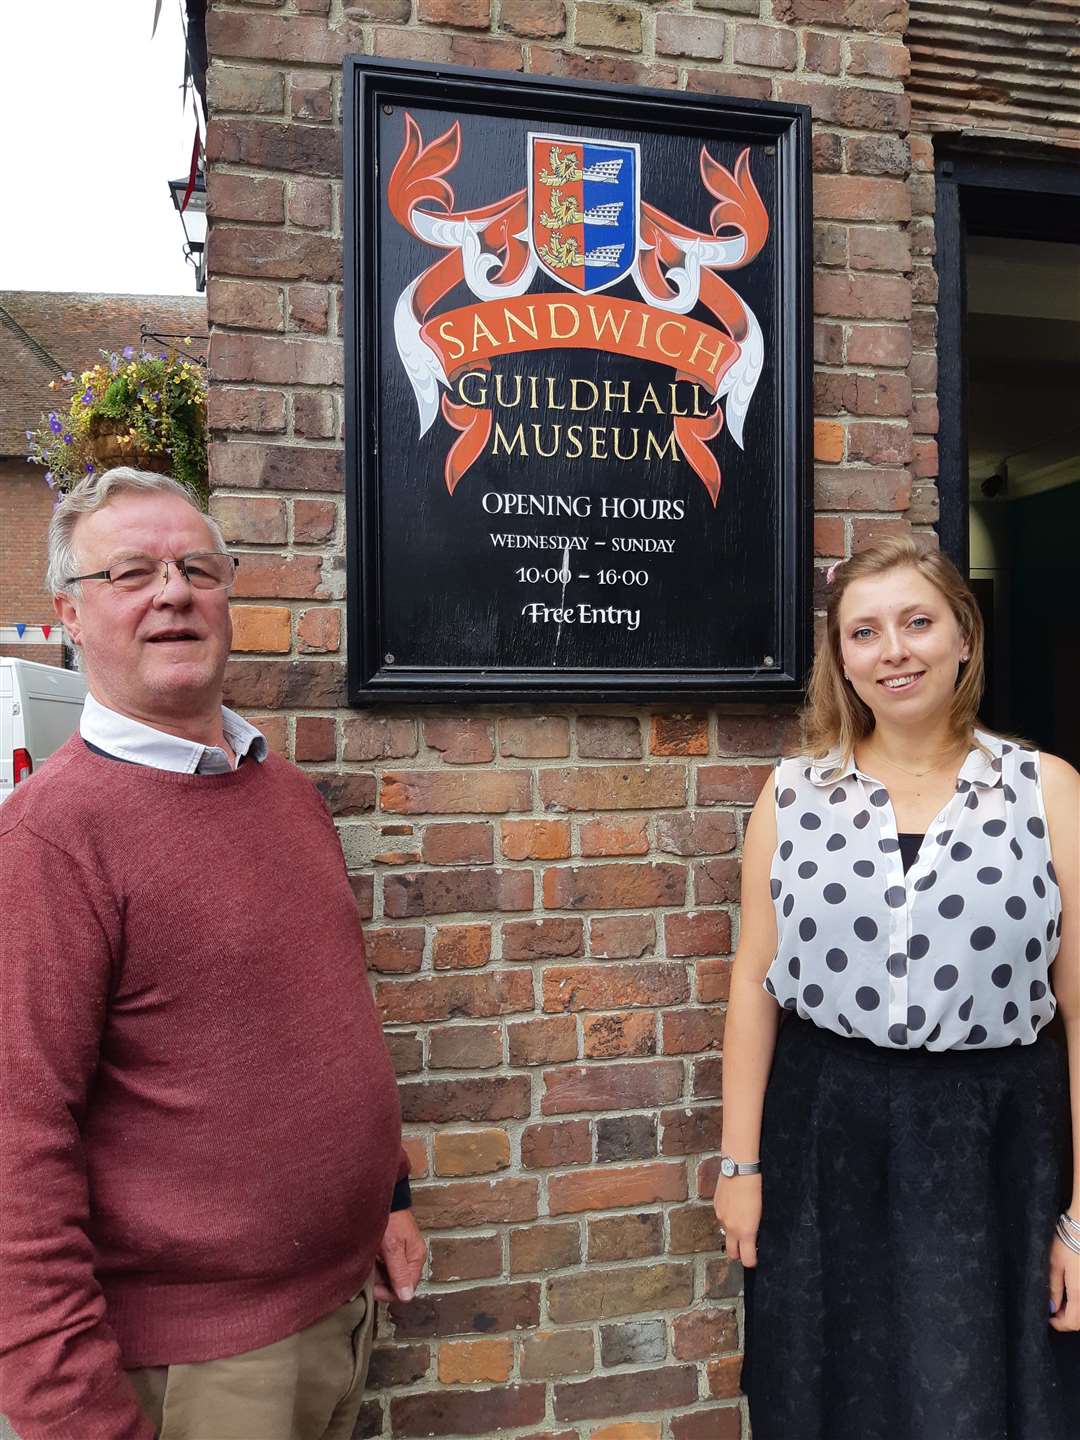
(834, 718)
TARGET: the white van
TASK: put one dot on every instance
(40, 706)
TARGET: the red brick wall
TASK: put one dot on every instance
(550, 896)
(25, 510)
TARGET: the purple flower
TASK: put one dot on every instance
(89, 467)
(54, 424)
(88, 398)
(157, 395)
(114, 363)
(69, 439)
(29, 434)
(49, 481)
(67, 375)
(128, 351)
(163, 356)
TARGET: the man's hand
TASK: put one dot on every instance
(400, 1258)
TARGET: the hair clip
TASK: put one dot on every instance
(830, 573)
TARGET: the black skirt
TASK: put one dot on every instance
(910, 1198)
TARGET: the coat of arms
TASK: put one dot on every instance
(579, 220)
(583, 204)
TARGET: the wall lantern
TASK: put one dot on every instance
(192, 212)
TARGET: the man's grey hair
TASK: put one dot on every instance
(90, 495)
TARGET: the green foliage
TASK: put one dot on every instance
(144, 410)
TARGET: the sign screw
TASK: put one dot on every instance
(389, 659)
(387, 109)
(768, 660)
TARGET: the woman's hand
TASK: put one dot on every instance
(737, 1202)
(1064, 1286)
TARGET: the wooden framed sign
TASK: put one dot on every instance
(577, 343)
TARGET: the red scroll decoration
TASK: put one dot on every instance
(422, 201)
(562, 321)
(691, 435)
(474, 422)
(417, 177)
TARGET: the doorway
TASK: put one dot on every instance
(1009, 360)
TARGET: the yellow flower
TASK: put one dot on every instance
(187, 339)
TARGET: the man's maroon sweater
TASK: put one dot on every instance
(199, 1124)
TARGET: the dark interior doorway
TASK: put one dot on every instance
(1008, 259)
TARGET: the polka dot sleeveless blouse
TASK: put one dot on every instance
(956, 953)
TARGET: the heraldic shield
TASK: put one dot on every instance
(583, 210)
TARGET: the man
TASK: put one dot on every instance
(199, 1125)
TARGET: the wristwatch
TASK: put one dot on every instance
(730, 1167)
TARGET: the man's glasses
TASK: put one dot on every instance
(205, 570)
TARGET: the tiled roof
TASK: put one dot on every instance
(42, 334)
(1007, 67)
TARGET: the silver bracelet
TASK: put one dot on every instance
(1071, 1224)
(1070, 1241)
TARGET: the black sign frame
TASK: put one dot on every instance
(374, 87)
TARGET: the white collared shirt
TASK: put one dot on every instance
(954, 953)
(141, 744)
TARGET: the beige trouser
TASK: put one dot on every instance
(308, 1386)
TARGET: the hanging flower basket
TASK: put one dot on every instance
(144, 410)
(113, 442)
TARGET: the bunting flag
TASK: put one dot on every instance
(581, 222)
(17, 630)
(193, 174)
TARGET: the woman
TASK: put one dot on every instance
(911, 900)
